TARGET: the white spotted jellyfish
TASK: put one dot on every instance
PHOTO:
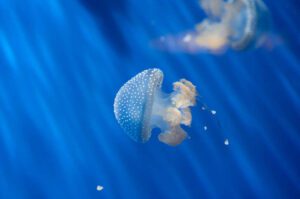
(140, 106)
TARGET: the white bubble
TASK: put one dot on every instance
(205, 128)
(100, 188)
(226, 142)
(213, 112)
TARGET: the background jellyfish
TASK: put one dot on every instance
(230, 23)
(140, 106)
(234, 23)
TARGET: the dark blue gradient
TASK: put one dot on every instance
(61, 64)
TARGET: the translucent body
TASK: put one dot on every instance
(140, 106)
(133, 104)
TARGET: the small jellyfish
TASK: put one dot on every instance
(140, 106)
(238, 24)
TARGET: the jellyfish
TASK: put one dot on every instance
(233, 23)
(236, 24)
(140, 106)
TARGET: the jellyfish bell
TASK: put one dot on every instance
(232, 23)
(133, 102)
(140, 105)
(251, 25)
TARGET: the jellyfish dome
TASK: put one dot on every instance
(250, 24)
(140, 105)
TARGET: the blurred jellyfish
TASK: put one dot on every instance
(230, 23)
(140, 106)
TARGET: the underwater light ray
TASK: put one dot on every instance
(194, 158)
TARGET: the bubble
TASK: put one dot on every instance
(213, 112)
(226, 142)
(99, 188)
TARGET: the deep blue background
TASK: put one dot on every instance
(61, 64)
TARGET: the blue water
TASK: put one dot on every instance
(61, 64)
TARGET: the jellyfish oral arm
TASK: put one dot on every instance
(173, 137)
(170, 111)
